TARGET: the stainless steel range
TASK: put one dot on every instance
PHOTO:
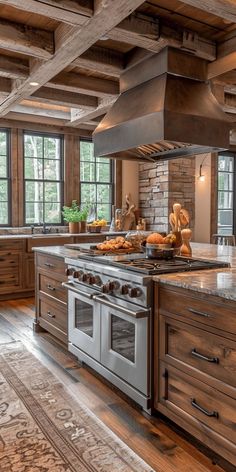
(110, 310)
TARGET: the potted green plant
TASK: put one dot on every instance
(72, 215)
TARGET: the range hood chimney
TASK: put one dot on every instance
(165, 110)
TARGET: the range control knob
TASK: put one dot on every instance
(91, 279)
(124, 289)
(76, 274)
(69, 271)
(108, 287)
(85, 277)
(134, 292)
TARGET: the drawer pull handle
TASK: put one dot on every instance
(214, 360)
(48, 264)
(50, 315)
(50, 287)
(214, 414)
(200, 313)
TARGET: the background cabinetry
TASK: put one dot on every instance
(194, 365)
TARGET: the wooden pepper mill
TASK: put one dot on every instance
(185, 249)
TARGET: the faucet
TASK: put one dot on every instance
(45, 229)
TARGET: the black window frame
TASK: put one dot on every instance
(111, 182)
(61, 181)
(8, 177)
(230, 154)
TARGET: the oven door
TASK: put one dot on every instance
(125, 345)
(84, 322)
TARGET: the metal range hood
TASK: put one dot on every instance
(165, 110)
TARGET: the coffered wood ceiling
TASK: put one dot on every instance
(74, 52)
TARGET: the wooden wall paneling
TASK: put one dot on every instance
(71, 168)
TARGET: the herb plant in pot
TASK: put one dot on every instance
(72, 215)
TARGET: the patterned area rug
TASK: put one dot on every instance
(44, 429)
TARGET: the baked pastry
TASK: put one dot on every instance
(155, 238)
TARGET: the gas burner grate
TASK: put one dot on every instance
(157, 266)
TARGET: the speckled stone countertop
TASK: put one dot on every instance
(57, 235)
(219, 282)
(59, 251)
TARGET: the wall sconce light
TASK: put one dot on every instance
(201, 177)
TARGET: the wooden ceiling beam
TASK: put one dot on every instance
(13, 68)
(26, 40)
(102, 60)
(79, 83)
(35, 110)
(63, 97)
(139, 30)
(68, 11)
(222, 8)
(79, 117)
(5, 86)
(70, 43)
(153, 34)
(226, 59)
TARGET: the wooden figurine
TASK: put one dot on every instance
(185, 249)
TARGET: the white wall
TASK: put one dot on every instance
(130, 181)
(203, 200)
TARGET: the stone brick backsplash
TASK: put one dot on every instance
(160, 185)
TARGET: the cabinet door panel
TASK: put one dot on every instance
(183, 394)
(184, 345)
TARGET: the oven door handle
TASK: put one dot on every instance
(70, 286)
(126, 311)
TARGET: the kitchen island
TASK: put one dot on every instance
(195, 350)
(194, 340)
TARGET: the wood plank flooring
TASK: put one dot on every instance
(160, 443)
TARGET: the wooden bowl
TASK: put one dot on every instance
(94, 229)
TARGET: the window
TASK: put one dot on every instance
(4, 178)
(226, 193)
(96, 181)
(43, 178)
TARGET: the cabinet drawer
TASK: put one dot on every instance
(10, 274)
(208, 312)
(51, 263)
(53, 313)
(186, 346)
(9, 245)
(184, 395)
(52, 287)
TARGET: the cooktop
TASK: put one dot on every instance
(138, 263)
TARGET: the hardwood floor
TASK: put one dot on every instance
(156, 440)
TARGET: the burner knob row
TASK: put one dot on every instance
(133, 292)
(71, 271)
(110, 286)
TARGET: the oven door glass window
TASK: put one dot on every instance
(123, 337)
(84, 329)
(84, 317)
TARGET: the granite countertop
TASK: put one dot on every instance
(219, 282)
(59, 251)
(57, 235)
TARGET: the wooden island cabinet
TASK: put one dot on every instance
(195, 365)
